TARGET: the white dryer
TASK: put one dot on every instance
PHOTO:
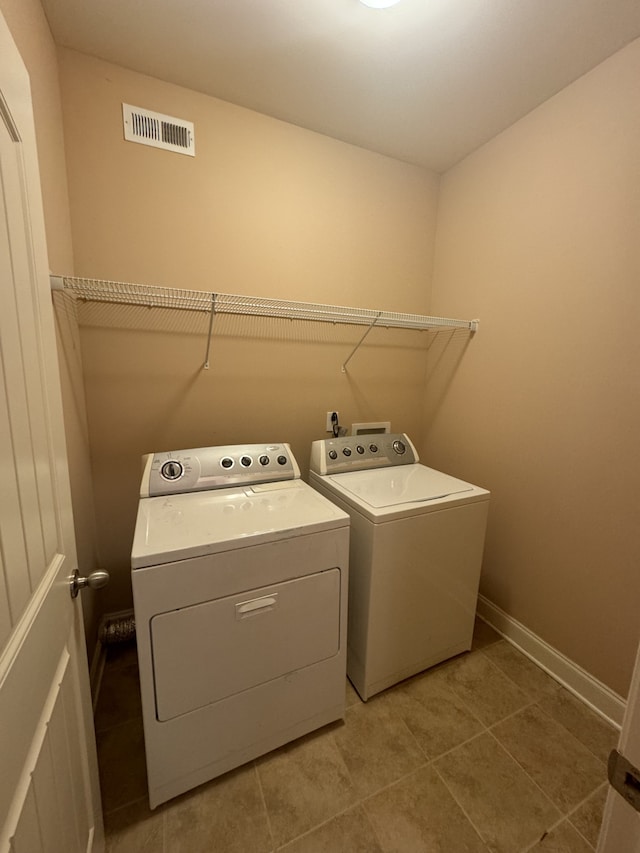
(239, 575)
(417, 537)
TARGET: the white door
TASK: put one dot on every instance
(49, 797)
(620, 831)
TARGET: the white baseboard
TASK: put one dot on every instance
(585, 687)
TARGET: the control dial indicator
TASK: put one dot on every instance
(172, 470)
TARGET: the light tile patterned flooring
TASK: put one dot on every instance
(482, 753)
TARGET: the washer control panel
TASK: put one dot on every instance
(203, 468)
(360, 452)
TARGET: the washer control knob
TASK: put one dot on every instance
(282, 460)
(373, 448)
(246, 461)
(347, 451)
(360, 449)
(333, 454)
(227, 462)
(399, 446)
(264, 460)
(172, 470)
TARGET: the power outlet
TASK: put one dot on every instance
(330, 418)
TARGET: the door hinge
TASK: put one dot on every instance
(624, 778)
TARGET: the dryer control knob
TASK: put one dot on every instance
(264, 460)
(282, 460)
(399, 446)
(246, 461)
(172, 470)
(333, 454)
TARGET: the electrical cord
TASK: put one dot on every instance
(335, 425)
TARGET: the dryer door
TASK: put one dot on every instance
(206, 652)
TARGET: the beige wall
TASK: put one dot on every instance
(538, 235)
(31, 33)
(264, 208)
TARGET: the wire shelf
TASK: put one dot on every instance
(151, 296)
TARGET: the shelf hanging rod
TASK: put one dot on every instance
(151, 296)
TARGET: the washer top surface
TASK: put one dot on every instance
(385, 494)
(177, 527)
(405, 484)
(382, 478)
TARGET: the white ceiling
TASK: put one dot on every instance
(426, 81)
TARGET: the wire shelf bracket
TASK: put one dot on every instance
(152, 296)
(211, 319)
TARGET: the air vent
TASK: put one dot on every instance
(157, 130)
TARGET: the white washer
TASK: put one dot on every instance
(239, 575)
(417, 537)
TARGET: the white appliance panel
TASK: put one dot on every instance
(428, 585)
(240, 641)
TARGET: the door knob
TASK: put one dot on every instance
(96, 580)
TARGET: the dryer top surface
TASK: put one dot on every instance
(170, 528)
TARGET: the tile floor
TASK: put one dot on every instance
(482, 753)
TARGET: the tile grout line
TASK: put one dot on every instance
(586, 745)
(560, 688)
(541, 697)
(580, 805)
(535, 843)
(509, 679)
(264, 803)
(460, 806)
(527, 774)
(524, 770)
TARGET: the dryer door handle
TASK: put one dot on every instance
(247, 608)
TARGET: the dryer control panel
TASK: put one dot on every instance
(204, 468)
(360, 452)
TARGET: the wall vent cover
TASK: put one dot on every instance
(158, 130)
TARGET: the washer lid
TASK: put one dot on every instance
(402, 484)
(177, 527)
